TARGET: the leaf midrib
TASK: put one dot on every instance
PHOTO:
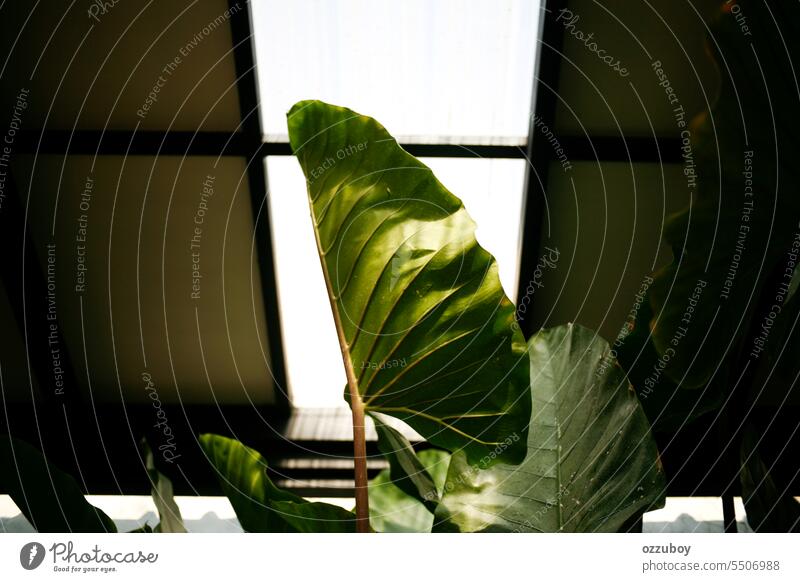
(337, 318)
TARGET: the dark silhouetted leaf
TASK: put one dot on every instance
(49, 498)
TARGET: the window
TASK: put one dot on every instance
(491, 190)
(456, 78)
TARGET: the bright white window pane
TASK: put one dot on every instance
(314, 363)
(444, 71)
(492, 193)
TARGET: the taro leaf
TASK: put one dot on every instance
(768, 451)
(426, 332)
(405, 469)
(592, 464)
(314, 517)
(49, 498)
(393, 511)
(744, 214)
(260, 506)
(169, 514)
(774, 349)
(667, 406)
(769, 506)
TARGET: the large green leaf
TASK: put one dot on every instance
(49, 498)
(405, 468)
(260, 506)
(315, 517)
(392, 510)
(738, 229)
(592, 464)
(668, 407)
(427, 333)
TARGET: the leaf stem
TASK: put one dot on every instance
(356, 403)
(360, 459)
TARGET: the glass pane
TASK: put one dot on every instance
(429, 71)
(599, 101)
(165, 281)
(101, 74)
(606, 220)
(313, 361)
(492, 192)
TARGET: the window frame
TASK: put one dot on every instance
(248, 142)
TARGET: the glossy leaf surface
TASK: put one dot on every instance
(592, 463)
(427, 333)
(258, 503)
(394, 511)
(740, 162)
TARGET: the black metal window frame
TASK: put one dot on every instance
(248, 142)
